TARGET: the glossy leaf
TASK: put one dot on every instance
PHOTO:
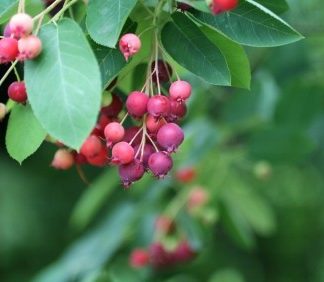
(7, 8)
(63, 83)
(251, 24)
(277, 6)
(106, 18)
(187, 45)
(24, 134)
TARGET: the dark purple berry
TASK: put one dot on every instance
(129, 173)
(170, 136)
(160, 163)
(164, 70)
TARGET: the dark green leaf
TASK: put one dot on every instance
(277, 6)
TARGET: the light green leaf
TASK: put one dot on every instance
(63, 83)
(187, 45)
(227, 275)
(24, 134)
(251, 24)
(235, 57)
(7, 8)
(277, 6)
(106, 18)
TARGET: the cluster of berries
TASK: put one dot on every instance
(19, 44)
(136, 149)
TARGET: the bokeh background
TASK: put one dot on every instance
(258, 153)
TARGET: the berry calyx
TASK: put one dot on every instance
(3, 111)
(160, 163)
(17, 92)
(220, 6)
(114, 132)
(21, 25)
(63, 159)
(129, 45)
(29, 47)
(180, 90)
(139, 258)
(136, 104)
(91, 147)
(158, 106)
(122, 153)
(8, 50)
(131, 172)
(170, 136)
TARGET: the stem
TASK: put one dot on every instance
(166, 54)
(47, 10)
(138, 132)
(61, 12)
(156, 63)
(16, 73)
(124, 118)
(8, 72)
(39, 24)
(153, 143)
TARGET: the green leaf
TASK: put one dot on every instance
(63, 83)
(277, 6)
(235, 57)
(227, 275)
(7, 8)
(251, 24)
(106, 18)
(24, 134)
(187, 45)
(197, 4)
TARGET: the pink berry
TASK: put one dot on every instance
(147, 152)
(177, 112)
(29, 47)
(183, 252)
(7, 31)
(100, 159)
(114, 132)
(164, 224)
(154, 124)
(180, 90)
(8, 50)
(158, 106)
(3, 111)
(139, 258)
(220, 6)
(197, 197)
(17, 92)
(122, 153)
(170, 136)
(21, 25)
(136, 104)
(131, 172)
(164, 70)
(114, 108)
(91, 147)
(63, 159)
(129, 45)
(160, 163)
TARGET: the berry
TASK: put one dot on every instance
(158, 106)
(29, 47)
(180, 90)
(197, 198)
(154, 124)
(122, 153)
(17, 92)
(114, 108)
(164, 225)
(8, 50)
(164, 70)
(170, 136)
(130, 134)
(129, 45)
(139, 258)
(183, 7)
(7, 31)
(178, 111)
(91, 147)
(136, 104)
(3, 111)
(183, 252)
(63, 159)
(100, 159)
(186, 175)
(160, 163)
(148, 151)
(79, 158)
(21, 25)
(129, 173)
(114, 132)
(159, 257)
(220, 6)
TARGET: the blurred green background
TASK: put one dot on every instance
(258, 153)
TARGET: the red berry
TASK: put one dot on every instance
(8, 50)
(158, 106)
(91, 147)
(21, 25)
(114, 108)
(178, 111)
(131, 172)
(122, 153)
(29, 47)
(220, 6)
(197, 198)
(180, 90)
(164, 70)
(100, 159)
(160, 163)
(139, 258)
(17, 92)
(183, 252)
(136, 104)
(114, 132)
(170, 136)
(164, 224)
(130, 134)
(159, 257)
(148, 151)
(129, 45)
(186, 175)
(63, 159)
(154, 124)
(79, 158)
